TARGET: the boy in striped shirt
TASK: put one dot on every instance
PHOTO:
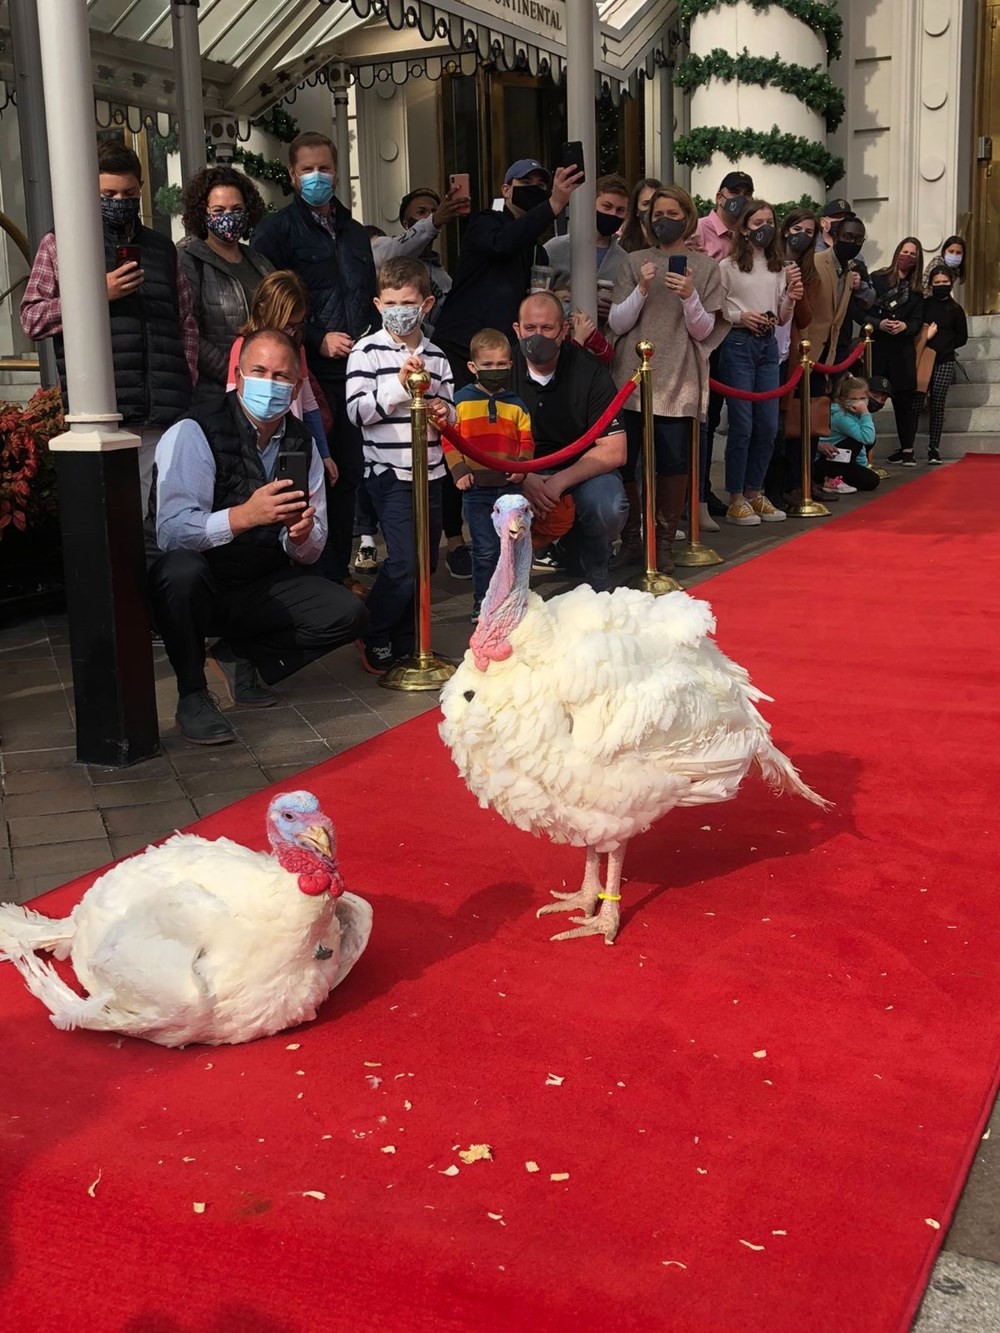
(378, 402)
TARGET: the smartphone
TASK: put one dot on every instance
(295, 466)
(458, 185)
(126, 254)
(677, 264)
(571, 155)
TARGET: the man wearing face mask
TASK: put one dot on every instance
(229, 544)
(498, 249)
(422, 214)
(835, 212)
(566, 391)
(316, 237)
(612, 208)
(840, 280)
(154, 336)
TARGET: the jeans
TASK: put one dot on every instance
(748, 362)
(390, 603)
(601, 510)
(671, 445)
(477, 509)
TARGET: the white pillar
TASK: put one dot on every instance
(190, 99)
(581, 116)
(342, 138)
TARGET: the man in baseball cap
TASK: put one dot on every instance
(524, 170)
(835, 212)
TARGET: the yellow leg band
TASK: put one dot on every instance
(611, 897)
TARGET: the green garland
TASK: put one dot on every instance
(815, 14)
(811, 86)
(279, 123)
(781, 211)
(695, 149)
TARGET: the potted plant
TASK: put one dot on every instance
(31, 574)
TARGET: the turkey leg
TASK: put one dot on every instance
(606, 921)
(586, 896)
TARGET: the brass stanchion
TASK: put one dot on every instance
(880, 472)
(422, 671)
(651, 580)
(691, 552)
(807, 506)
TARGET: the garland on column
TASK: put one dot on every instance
(812, 87)
(781, 211)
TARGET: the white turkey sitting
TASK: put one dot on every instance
(589, 716)
(202, 941)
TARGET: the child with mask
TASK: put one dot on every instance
(947, 330)
(852, 433)
(496, 421)
(378, 402)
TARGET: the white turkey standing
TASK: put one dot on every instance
(199, 940)
(589, 716)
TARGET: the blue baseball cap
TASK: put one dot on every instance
(524, 166)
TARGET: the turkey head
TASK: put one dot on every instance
(503, 606)
(304, 841)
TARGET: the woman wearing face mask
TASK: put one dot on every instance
(760, 296)
(634, 234)
(947, 330)
(673, 297)
(952, 260)
(898, 317)
(221, 207)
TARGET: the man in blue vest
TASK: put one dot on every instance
(232, 547)
(154, 336)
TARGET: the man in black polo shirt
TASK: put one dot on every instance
(566, 390)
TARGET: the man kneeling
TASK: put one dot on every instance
(229, 546)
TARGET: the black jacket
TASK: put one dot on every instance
(152, 381)
(219, 304)
(239, 472)
(492, 276)
(338, 274)
(953, 328)
(894, 354)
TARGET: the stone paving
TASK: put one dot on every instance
(59, 819)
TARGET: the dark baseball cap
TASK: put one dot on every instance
(879, 384)
(408, 199)
(839, 208)
(737, 180)
(524, 166)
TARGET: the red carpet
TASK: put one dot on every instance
(771, 1087)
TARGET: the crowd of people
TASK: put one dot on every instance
(264, 363)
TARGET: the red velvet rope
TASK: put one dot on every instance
(789, 385)
(846, 364)
(460, 443)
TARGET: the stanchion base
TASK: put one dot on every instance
(424, 671)
(691, 554)
(882, 473)
(808, 509)
(656, 583)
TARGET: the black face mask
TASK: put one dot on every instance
(846, 250)
(607, 224)
(762, 236)
(940, 292)
(493, 381)
(120, 214)
(735, 208)
(876, 404)
(798, 242)
(668, 230)
(539, 349)
(528, 196)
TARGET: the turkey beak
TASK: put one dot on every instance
(516, 526)
(316, 837)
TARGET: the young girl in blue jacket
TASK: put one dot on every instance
(851, 431)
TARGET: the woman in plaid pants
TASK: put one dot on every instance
(947, 330)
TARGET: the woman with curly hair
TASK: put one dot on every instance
(898, 316)
(221, 207)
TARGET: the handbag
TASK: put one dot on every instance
(819, 416)
(926, 356)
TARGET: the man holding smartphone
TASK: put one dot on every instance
(154, 335)
(232, 539)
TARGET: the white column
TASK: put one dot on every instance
(751, 107)
(658, 99)
(190, 99)
(581, 116)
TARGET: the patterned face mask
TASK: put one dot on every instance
(228, 226)
(401, 319)
(120, 214)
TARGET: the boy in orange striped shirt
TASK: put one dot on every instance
(496, 421)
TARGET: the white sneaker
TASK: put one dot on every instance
(708, 523)
(841, 487)
(766, 511)
(367, 557)
(740, 513)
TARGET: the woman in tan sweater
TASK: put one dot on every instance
(673, 297)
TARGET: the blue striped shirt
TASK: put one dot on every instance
(379, 404)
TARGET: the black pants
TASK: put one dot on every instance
(280, 622)
(861, 478)
(345, 443)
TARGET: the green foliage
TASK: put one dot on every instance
(812, 87)
(279, 123)
(167, 201)
(815, 14)
(785, 150)
(781, 211)
(27, 472)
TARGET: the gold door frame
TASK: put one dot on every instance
(984, 256)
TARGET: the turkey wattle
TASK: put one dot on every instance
(202, 941)
(589, 716)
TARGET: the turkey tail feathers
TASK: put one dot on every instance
(67, 1009)
(24, 931)
(781, 774)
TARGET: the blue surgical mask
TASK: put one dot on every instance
(266, 400)
(316, 188)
